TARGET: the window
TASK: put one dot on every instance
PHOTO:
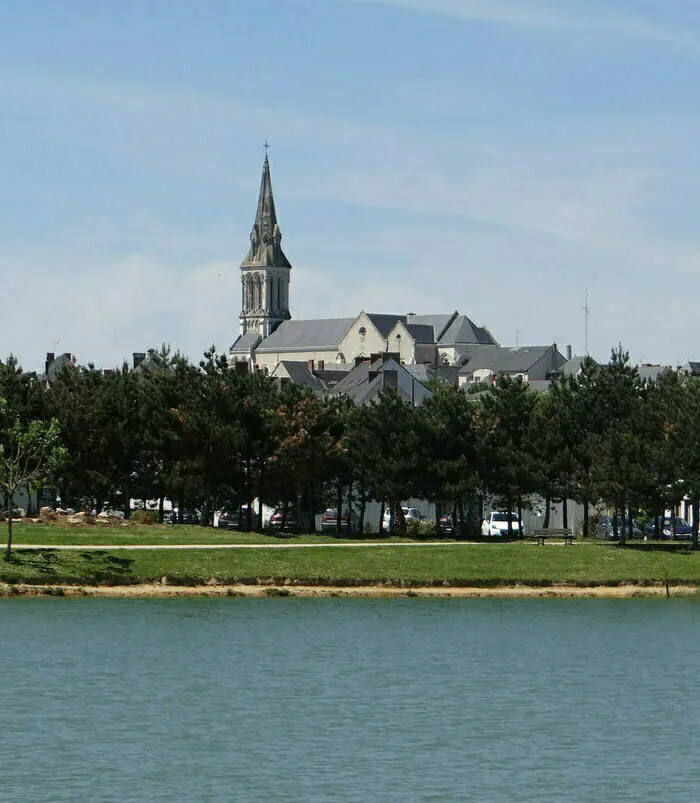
(362, 331)
(398, 335)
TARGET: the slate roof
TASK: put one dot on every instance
(572, 367)
(650, 373)
(385, 323)
(314, 335)
(424, 373)
(299, 374)
(421, 333)
(246, 343)
(358, 385)
(694, 368)
(502, 360)
(463, 330)
(58, 364)
(439, 323)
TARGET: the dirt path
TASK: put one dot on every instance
(240, 590)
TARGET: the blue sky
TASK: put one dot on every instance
(492, 156)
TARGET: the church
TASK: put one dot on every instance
(269, 335)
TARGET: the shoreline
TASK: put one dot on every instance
(162, 590)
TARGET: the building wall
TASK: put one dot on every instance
(356, 344)
(270, 360)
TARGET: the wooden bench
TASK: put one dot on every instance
(540, 535)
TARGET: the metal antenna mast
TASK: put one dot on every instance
(586, 311)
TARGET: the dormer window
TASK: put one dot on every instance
(362, 331)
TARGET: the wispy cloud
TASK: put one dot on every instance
(560, 14)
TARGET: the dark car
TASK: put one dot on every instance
(188, 517)
(683, 529)
(329, 520)
(237, 519)
(606, 530)
(288, 523)
(470, 524)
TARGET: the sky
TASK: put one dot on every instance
(498, 157)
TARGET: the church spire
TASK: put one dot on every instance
(265, 271)
(266, 237)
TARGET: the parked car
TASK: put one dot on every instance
(409, 513)
(470, 524)
(237, 519)
(497, 524)
(188, 517)
(605, 528)
(290, 522)
(683, 529)
(329, 520)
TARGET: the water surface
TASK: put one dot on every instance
(349, 700)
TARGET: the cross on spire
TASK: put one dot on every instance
(266, 146)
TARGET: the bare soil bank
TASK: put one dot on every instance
(246, 590)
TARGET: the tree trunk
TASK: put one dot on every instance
(520, 517)
(161, 508)
(673, 522)
(460, 513)
(382, 507)
(454, 518)
(363, 505)
(509, 513)
(629, 523)
(260, 515)
(339, 505)
(616, 534)
(547, 512)
(623, 529)
(696, 514)
(565, 513)
(656, 519)
(8, 551)
(585, 517)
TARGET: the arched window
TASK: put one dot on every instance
(362, 331)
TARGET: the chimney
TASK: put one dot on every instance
(50, 357)
(376, 356)
(372, 375)
(568, 352)
(321, 365)
(138, 358)
(359, 360)
(554, 346)
(390, 379)
(393, 355)
(310, 364)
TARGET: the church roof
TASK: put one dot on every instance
(246, 343)
(266, 237)
(439, 323)
(421, 334)
(463, 330)
(315, 335)
(385, 322)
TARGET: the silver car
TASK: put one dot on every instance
(606, 531)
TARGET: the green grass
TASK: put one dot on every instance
(101, 535)
(482, 565)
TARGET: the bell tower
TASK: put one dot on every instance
(265, 271)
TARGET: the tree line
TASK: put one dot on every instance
(208, 436)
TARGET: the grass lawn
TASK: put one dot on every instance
(486, 565)
(101, 535)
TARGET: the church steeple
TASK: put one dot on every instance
(265, 238)
(265, 269)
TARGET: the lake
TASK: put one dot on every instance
(349, 700)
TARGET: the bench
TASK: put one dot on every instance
(540, 535)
